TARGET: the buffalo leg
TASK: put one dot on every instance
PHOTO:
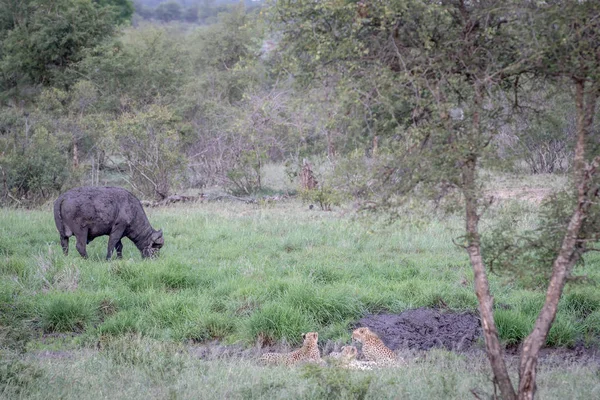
(64, 243)
(113, 239)
(119, 248)
(81, 242)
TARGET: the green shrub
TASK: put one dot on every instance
(324, 196)
(36, 173)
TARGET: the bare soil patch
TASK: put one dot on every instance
(425, 328)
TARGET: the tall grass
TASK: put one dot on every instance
(239, 272)
(134, 367)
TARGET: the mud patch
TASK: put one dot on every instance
(425, 328)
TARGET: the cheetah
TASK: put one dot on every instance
(348, 353)
(372, 347)
(347, 359)
(344, 357)
(309, 352)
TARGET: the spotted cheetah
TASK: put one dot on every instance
(348, 353)
(343, 357)
(372, 347)
(309, 352)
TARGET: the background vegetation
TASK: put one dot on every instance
(202, 96)
(215, 103)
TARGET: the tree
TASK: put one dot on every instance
(68, 112)
(42, 41)
(191, 14)
(438, 75)
(570, 39)
(151, 66)
(150, 143)
(124, 8)
(169, 11)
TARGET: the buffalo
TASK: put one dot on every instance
(89, 212)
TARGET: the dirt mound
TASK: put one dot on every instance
(425, 328)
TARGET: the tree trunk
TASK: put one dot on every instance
(75, 154)
(571, 248)
(308, 181)
(375, 146)
(482, 289)
(330, 146)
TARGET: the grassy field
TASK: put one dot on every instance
(237, 272)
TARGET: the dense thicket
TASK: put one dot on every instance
(88, 100)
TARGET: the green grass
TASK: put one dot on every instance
(235, 272)
(239, 273)
(133, 367)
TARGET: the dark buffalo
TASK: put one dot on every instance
(89, 212)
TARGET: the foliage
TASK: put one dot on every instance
(147, 66)
(324, 196)
(542, 133)
(149, 142)
(42, 41)
(124, 8)
(528, 255)
(168, 11)
(32, 173)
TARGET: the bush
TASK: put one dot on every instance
(150, 143)
(324, 196)
(34, 173)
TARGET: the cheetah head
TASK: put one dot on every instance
(349, 352)
(310, 338)
(361, 334)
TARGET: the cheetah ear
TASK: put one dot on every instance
(303, 336)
